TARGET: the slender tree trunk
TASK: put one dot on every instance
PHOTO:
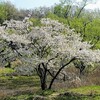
(63, 66)
(81, 10)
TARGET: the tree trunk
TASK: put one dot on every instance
(63, 66)
(43, 84)
(42, 73)
(43, 80)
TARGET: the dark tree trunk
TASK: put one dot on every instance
(43, 84)
(80, 11)
(85, 3)
(58, 72)
(43, 80)
(42, 73)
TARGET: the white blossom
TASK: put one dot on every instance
(54, 38)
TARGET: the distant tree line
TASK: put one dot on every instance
(75, 15)
(9, 11)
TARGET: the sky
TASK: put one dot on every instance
(29, 4)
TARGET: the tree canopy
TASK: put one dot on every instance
(53, 45)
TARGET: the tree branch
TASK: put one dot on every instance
(60, 71)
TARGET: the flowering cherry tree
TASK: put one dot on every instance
(53, 45)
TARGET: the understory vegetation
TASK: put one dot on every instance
(28, 87)
(50, 53)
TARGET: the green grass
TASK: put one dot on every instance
(21, 97)
(87, 90)
(19, 81)
(78, 98)
(45, 92)
(18, 87)
(26, 87)
(4, 71)
(82, 93)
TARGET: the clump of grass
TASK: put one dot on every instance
(4, 71)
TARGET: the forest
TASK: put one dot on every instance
(50, 53)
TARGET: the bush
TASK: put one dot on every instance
(35, 21)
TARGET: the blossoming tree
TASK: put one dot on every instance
(51, 46)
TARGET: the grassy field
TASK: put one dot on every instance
(82, 93)
(16, 85)
(28, 87)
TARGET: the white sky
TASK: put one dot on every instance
(28, 4)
